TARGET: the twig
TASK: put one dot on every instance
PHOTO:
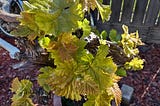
(153, 78)
(8, 17)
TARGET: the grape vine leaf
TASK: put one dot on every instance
(15, 85)
(52, 17)
(85, 74)
(22, 31)
(102, 99)
(28, 19)
(103, 62)
(66, 47)
(87, 85)
(102, 68)
(84, 25)
(77, 71)
(22, 91)
(27, 28)
(116, 92)
(69, 82)
(23, 102)
(46, 73)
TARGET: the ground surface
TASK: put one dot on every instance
(146, 82)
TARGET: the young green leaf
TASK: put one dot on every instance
(103, 35)
(23, 90)
(15, 85)
(102, 99)
(84, 25)
(121, 72)
(44, 42)
(114, 36)
(46, 73)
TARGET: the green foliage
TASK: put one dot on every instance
(78, 72)
(46, 73)
(114, 36)
(104, 10)
(135, 64)
(69, 82)
(44, 42)
(64, 48)
(130, 42)
(103, 99)
(53, 17)
(22, 31)
(102, 68)
(84, 25)
(56, 17)
(87, 75)
(103, 35)
(23, 90)
(121, 72)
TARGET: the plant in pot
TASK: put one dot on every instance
(87, 63)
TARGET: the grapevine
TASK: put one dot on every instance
(87, 63)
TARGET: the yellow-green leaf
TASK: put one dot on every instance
(15, 85)
(135, 64)
(115, 90)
